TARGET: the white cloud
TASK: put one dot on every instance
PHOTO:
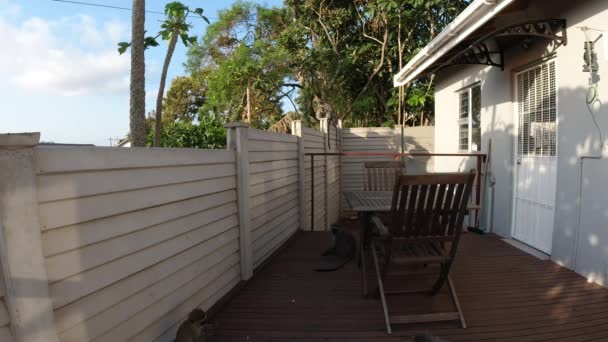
(71, 56)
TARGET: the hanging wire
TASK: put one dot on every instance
(592, 96)
(111, 7)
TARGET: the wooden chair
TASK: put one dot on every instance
(424, 228)
(381, 175)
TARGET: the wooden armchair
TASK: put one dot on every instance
(381, 175)
(424, 228)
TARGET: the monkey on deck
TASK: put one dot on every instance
(195, 328)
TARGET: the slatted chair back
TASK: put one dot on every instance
(382, 175)
(431, 208)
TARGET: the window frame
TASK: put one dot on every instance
(468, 120)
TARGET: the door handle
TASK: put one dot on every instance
(518, 161)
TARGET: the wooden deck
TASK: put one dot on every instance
(506, 294)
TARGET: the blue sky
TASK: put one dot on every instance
(60, 72)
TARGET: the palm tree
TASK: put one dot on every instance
(174, 26)
(138, 69)
(161, 88)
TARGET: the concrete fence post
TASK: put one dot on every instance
(398, 130)
(296, 129)
(25, 279)
(339, 140)
(237, 140)
(324, 126)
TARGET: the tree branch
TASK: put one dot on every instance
(376, 69)
(325, 29)
(363, 25)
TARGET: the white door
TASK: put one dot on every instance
(535, 156)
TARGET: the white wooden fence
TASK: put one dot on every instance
(274, 189)
(134, 239)
(113, 244)
(327, 183)
(130, 240)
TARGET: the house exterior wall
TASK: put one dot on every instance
(577, 135)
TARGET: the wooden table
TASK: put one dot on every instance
(365, 203)
(369, 201)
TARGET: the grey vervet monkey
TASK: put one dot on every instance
(345, 247)
(193, 328)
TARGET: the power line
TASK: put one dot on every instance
(110, 6)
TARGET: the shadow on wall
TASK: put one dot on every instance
(578, 134)
(497, 125)
(581, 239)
(416, 164)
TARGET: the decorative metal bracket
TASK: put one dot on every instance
(479, 52)
(553, 29)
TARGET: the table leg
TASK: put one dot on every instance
(363, 247)
(363, 270)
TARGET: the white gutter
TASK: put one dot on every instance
(472, 18)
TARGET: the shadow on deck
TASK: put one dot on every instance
(506, 295)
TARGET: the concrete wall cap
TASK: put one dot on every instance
(237, 124)
(19, 139)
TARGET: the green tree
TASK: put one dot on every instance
(249, 73)
(208, 132)
(349, 50)
(185, 97)
(329, 58)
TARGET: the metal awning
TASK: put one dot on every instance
(489, 49)
(481, 34)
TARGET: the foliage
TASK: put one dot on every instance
(176, 14)
(329, 58)
(348, 51)
(184, 98)
(208, 132)
(240, 52)
(284, 124)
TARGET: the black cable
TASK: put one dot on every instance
(109, 6)
(102, 5)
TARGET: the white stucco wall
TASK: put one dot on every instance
(497, 124)
(577, 134)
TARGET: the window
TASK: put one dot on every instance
(537, 122)
(469, 123)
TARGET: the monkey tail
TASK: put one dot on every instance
(332, 269)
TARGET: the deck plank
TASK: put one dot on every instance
(506, 295)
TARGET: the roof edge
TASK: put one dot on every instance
(468, 21)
